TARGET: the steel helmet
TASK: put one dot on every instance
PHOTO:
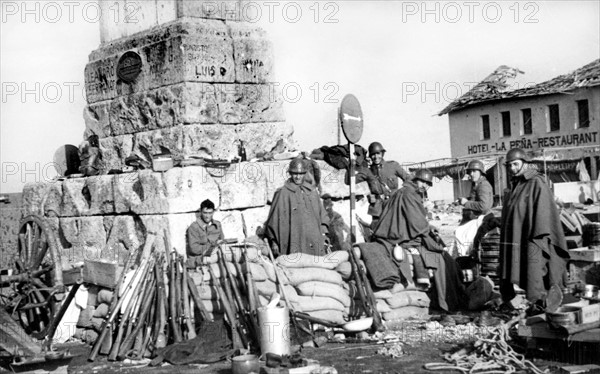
(516, 154)
(476, 165)
(425, 175)
(375, 147)
(297, 166)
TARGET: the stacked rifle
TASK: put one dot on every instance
(153, 306)
(240, 301)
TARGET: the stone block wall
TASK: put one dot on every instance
(105, 217)
(204, 86)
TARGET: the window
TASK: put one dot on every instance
(505, 124)
(485, 127)
(584, 113)
(526, 127)
(553, 119)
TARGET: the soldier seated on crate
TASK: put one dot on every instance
(203, 235)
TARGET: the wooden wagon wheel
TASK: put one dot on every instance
(36, 283)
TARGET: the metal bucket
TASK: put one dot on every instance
(274, 330)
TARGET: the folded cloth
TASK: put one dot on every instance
(380, 266)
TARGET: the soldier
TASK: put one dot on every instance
(479, 202)
(533, 250)
(203, 235)
(297, 221)
(382, 178)
(404, 222)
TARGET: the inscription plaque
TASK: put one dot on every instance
(129, 66)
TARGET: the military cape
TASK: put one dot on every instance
(297, 220)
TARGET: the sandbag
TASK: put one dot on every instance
(259, 274)
(231, 254)
(97, 323)
(408, 298)
(104, 296)
(88, 336)
(383, 294)
(199, 277)
(382, 306)
(314, 303)
(345, 270)
(324, 289)
(303, 260)
(101, 310)
(208, 292)
(85, 317)
(399, 287)
(297, 276)
(93, 296)
(406, 313)
(334, 316)
(268, 288)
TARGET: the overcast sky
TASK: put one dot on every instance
(404, 61)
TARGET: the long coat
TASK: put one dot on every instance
(297, 220)
(533, 249)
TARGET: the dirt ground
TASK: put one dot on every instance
(412, 343)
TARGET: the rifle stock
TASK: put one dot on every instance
(187, 317)
(365, 292)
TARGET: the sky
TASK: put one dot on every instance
(404, 61)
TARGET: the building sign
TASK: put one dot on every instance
(129, 66)
(566, 140)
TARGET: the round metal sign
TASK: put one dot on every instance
(66, 160)
(351, 118)
(129, 66)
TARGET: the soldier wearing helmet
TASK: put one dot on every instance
(382, 178)
(477, 204)
(533, 250)
(403, 223)
(297, 221)
(482, 195)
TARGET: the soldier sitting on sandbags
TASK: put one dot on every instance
(204, 235)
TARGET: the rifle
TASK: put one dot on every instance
(365, 292)
(147, 302)
(236, 336)
(235, 308)
(187, 317)
(197, 301)
(118, 302)
(242, 312)
(173, 300)
(160, 340)
(104, 340)
(114, 352)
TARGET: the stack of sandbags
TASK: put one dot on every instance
(90, 320)
(246, 259)
(400, 302)
(318, 284)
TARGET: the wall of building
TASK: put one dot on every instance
(466, 127)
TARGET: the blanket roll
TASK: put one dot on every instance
(380, 266)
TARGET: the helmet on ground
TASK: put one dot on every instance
(516, 154)
(297, 166)
(424, 175)
(476, 165)
(375, 147)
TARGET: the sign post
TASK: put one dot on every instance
(351, 122)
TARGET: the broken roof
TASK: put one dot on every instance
(494, 87)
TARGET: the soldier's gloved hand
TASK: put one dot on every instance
(463, 200)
